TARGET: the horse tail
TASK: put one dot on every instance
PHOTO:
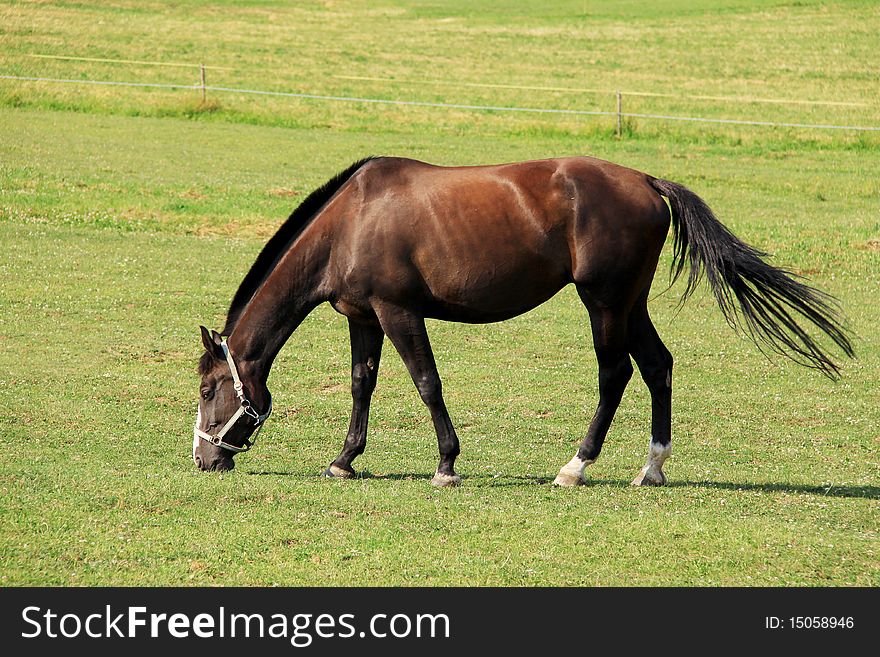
(753, 295)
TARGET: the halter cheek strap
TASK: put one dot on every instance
(244, 409)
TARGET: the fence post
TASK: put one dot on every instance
(619, 118)
(202, 77)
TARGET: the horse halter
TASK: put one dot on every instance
(245, 409)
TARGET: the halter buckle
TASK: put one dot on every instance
(249, 411)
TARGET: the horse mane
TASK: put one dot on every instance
(281, 241)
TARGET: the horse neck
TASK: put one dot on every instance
(288, 295)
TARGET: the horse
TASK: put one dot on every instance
(391, 241)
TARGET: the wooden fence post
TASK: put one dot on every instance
(202, 77)
(619, 118)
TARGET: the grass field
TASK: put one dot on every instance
(129, 216)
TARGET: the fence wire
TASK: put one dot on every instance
(458, 106)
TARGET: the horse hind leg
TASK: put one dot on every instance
(655, 365)
(615, 370)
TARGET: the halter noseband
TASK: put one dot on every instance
(245, 409)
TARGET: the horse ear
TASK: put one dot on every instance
(212, 341)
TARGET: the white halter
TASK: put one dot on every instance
(244, 409)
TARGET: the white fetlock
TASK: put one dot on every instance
(652, 473)
(442, 480)
(572, 473)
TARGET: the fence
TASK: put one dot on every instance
(619, 114)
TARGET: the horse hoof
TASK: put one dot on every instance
(650, 478)
(442, 480)
(568, 480)
(336, 472)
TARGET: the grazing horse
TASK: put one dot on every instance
(391, 241)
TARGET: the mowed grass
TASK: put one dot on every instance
(119, 234)
(734, 59)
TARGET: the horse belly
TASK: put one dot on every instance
(488, 290)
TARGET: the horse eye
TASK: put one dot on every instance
(207, 394)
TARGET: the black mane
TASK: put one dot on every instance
(277, 246)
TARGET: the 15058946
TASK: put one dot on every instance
(821, 622)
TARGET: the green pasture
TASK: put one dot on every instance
(732, 59)
(129, 216)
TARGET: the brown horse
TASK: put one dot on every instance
(391, 241)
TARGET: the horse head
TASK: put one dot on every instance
(228, 418)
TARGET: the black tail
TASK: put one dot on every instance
(765, 295)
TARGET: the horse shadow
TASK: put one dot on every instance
(844, 491)
(506, 481)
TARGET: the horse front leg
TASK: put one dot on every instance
(409, 336)
(366, 349)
